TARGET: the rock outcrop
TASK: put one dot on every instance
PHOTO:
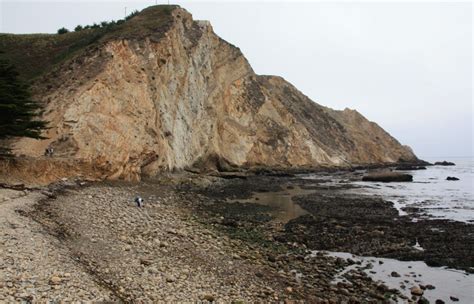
(387, 176)
(181, 97)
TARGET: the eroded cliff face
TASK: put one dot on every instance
(190, 99)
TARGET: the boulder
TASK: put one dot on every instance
(452, 178)
(444, 163)
(416, 291)
(387, 177)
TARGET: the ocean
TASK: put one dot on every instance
(431, 192)
(437, 198)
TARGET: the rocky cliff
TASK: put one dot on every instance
(164, 92)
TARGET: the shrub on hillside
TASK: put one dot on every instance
(63, 30)
(134, 13)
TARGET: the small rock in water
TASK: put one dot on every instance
(416, 291)
(454, 299)
(438, 301)
(395, 274)
(452, 178)
(444, 163)
(430, 287)
(423, 300)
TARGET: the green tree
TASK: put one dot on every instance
(18, 112)
(132, 14)
(63, 30)
(78, 28)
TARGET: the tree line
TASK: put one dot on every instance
(103, 24)
(18, 111)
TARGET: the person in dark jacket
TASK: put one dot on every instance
(139, 201)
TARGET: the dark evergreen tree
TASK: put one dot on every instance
(63, 30)
(18, 112)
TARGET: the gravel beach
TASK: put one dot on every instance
(89, 241)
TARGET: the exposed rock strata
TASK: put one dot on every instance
(186, 98)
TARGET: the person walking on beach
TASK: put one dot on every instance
(139, 201)
(49, 152)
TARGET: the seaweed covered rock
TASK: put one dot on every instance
(387, 176)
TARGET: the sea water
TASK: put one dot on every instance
(448, 282)
(431, 192)
(437, 198)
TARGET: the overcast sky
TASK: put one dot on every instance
(407, 66)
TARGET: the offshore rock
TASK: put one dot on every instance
(387, 177)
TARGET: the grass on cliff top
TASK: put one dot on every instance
(36, 54)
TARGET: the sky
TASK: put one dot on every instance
(405, 65)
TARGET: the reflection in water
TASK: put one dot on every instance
(283, 207)
(447, 282)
